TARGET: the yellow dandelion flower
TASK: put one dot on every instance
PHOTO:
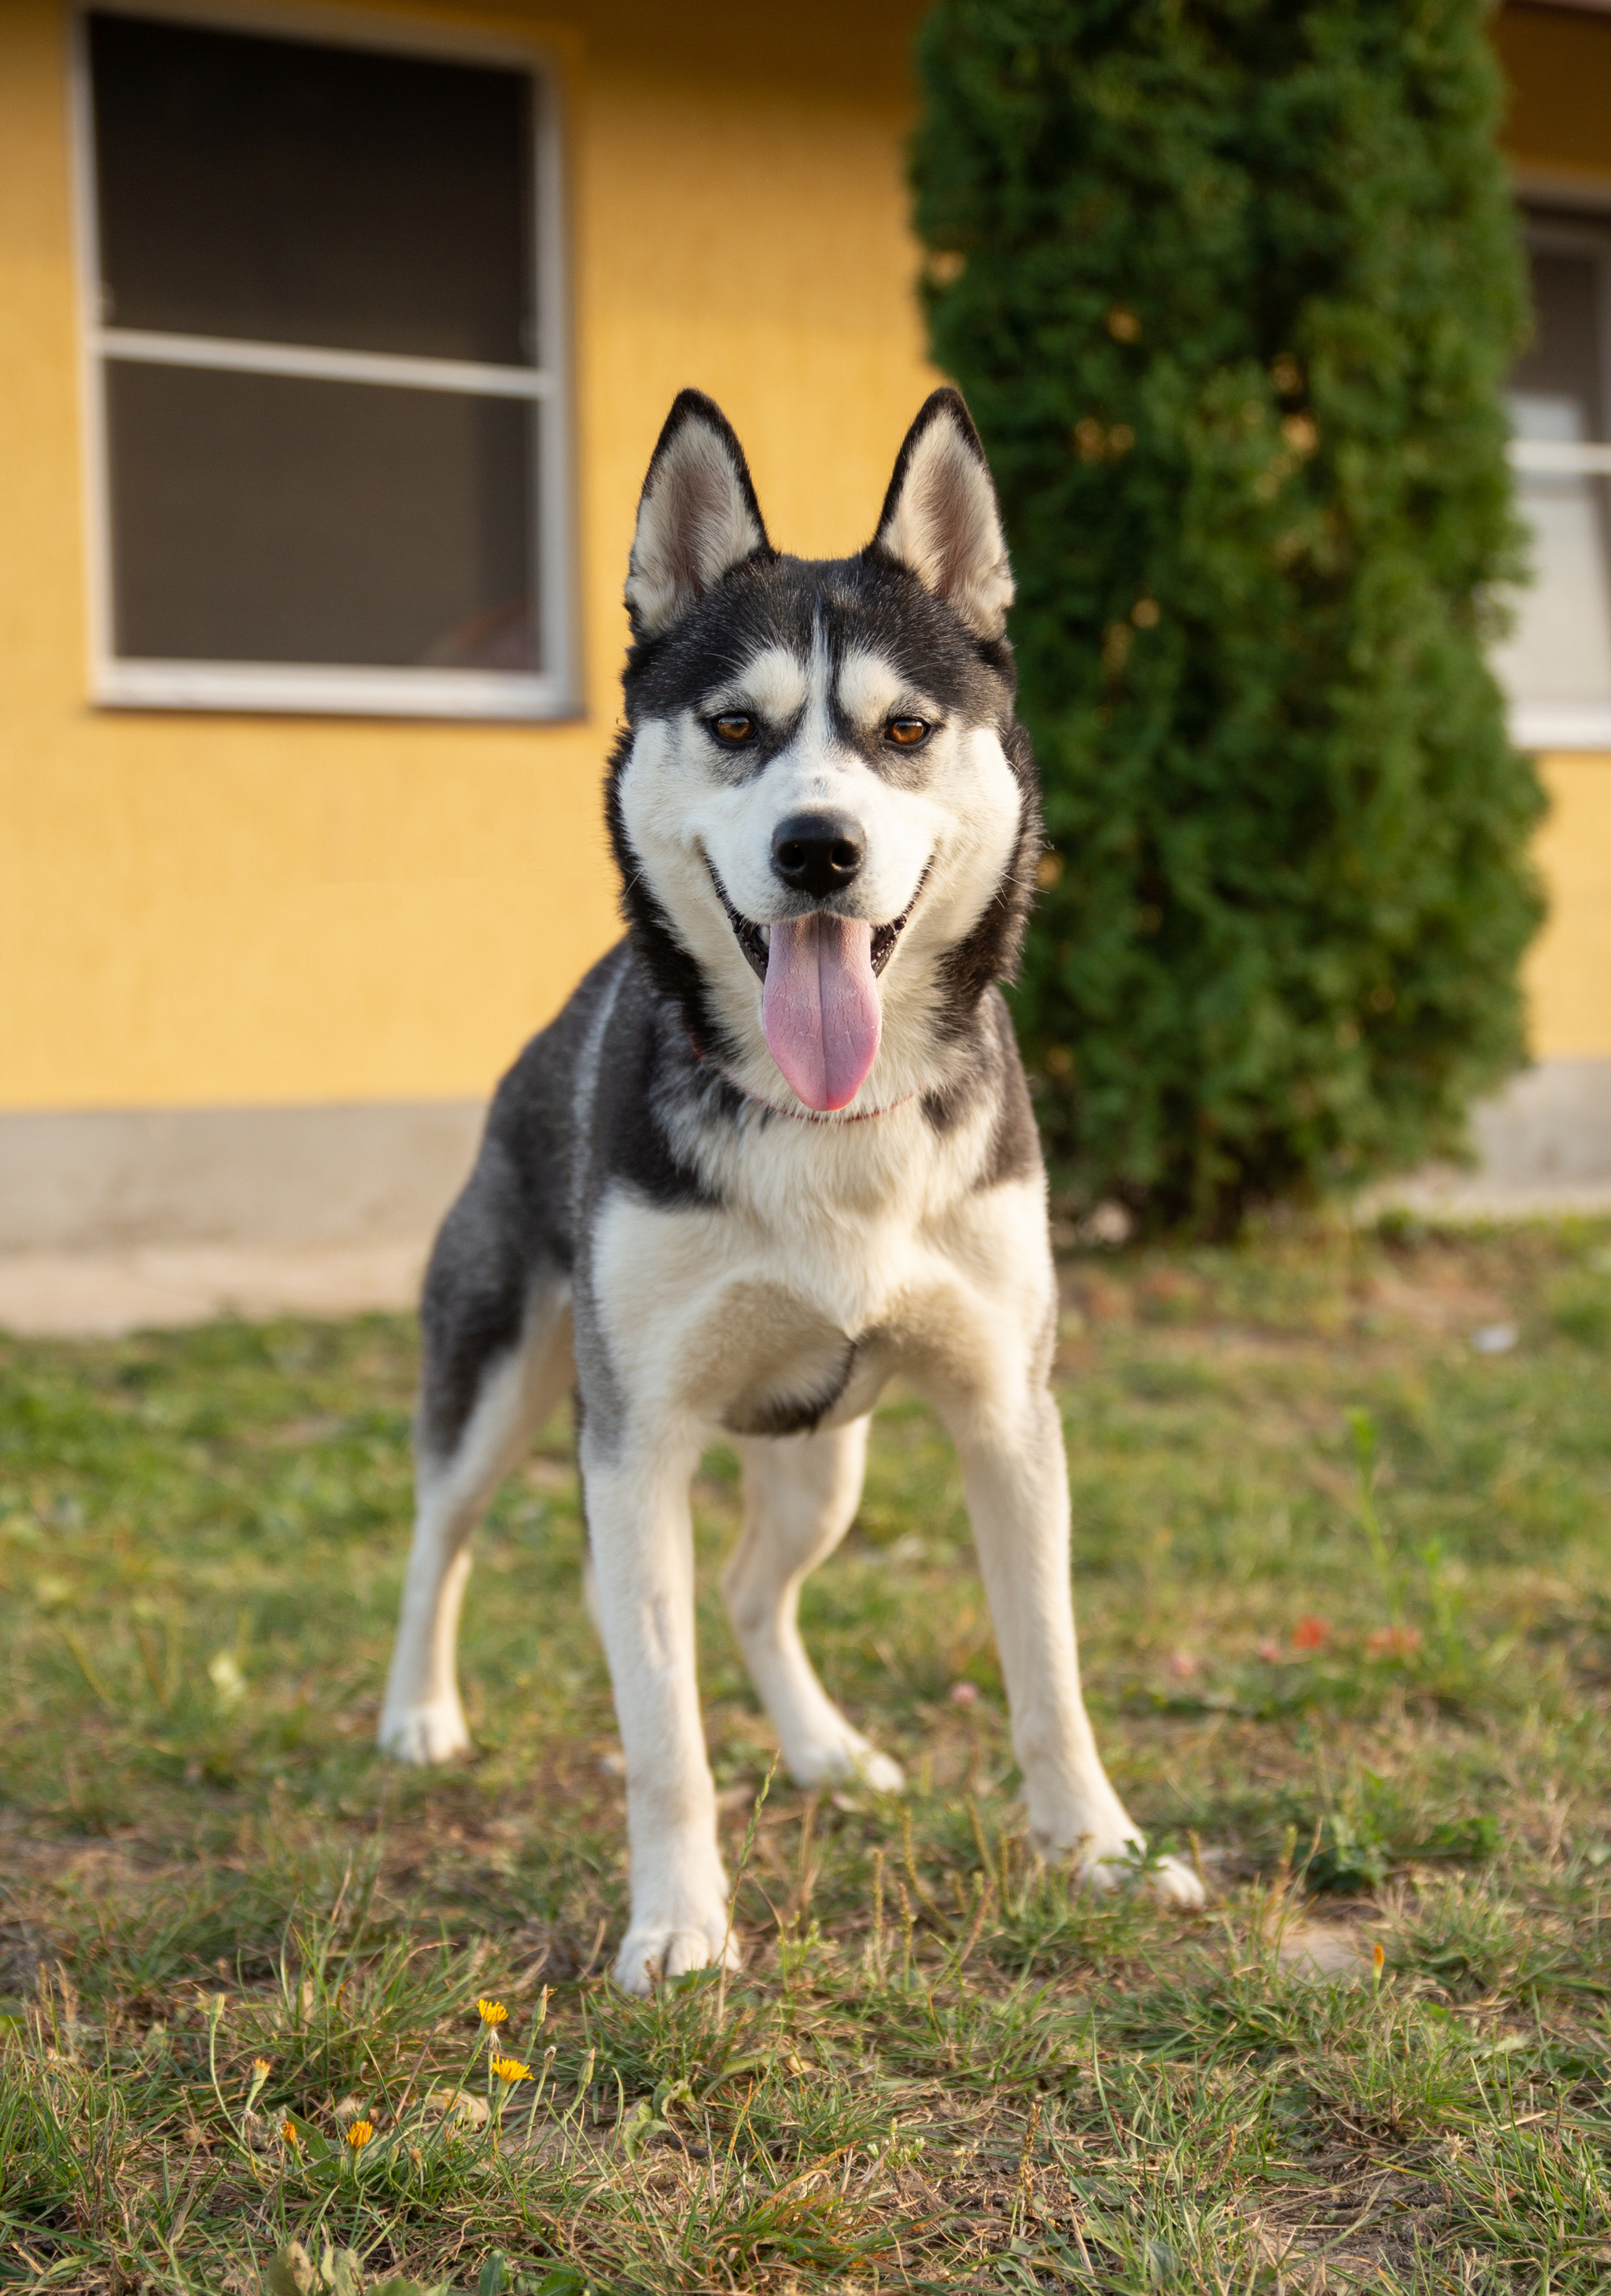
(288, 2130)
(492, 2013)
(509, 2069)
(261, 2068)
(358, 2134)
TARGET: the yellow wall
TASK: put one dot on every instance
(1558, 61)
(1569, 965)
(214, 909)
(1558, 133)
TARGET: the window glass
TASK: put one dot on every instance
(281, 191)
(328, 456)
(269, 518)
(1560, 651)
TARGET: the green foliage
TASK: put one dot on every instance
(1232, 290)
(1581, 1308)
(340, 2271)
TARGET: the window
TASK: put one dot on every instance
(328, 463)
(1556, 663)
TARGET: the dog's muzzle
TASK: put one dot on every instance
(752, 938)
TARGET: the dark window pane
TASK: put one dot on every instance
(256, 518)
(1561, 367)
(282, 192)
(1558, 651)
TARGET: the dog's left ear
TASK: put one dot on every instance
(939, 517)
(697, 517)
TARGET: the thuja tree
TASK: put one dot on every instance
(1231, 286)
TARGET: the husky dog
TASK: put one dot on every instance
(776, 1150)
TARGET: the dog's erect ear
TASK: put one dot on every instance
(697, 516)
(939, 517)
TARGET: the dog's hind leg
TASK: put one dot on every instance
(800, 1495)
(484, 1395)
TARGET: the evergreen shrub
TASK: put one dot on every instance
(1231, 287)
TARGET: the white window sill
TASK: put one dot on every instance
(1561, 724)
(315, 690)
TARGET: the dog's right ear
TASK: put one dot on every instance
(697, 517)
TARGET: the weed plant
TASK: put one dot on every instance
(1345, 1594)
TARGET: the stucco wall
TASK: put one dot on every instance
(203, 910)
(1558, 61)
(1568, 968)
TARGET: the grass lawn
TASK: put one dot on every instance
(1345, 1587)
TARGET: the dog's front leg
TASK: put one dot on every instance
(642, 1538)
(1016, 1477)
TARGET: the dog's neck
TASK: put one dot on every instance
(797, 1115)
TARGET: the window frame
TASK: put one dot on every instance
(131, 681)
(1573, 220)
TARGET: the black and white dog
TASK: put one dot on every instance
(777, 1149)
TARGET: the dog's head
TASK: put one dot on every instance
(822, 805)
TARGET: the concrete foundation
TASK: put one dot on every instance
(116, 1180)
(1544, 1145)
(1551, 1127)
(115, 1221)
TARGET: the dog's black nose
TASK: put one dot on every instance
(818, 853)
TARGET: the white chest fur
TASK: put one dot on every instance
(843, 1261)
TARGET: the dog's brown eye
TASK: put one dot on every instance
(906, 731)
(734, 728)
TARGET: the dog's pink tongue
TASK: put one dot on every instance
(820, 1010)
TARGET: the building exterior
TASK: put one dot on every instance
(1554, 1125)
(300, 812)
(269, 935)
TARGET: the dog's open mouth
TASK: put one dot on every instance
(819, 1006)
(755, 939)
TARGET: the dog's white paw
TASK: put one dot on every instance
(848, 1760)
(1173, 1881)
(877, 1771)
(653, 1951)
(422, 1735)
(1169, 1878)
